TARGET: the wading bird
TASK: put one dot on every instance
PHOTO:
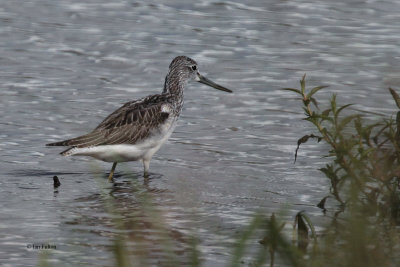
(140, 127)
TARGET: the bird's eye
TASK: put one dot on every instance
(194, 67)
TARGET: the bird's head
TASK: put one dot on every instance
(187, 70)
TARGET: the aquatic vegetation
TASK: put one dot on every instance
(365, 156)
(364, 176)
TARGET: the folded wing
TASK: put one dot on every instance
(131, 123)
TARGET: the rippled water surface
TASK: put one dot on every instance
(65, 65)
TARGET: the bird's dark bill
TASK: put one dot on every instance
(208, 82)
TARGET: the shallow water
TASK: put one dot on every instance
(65, 65)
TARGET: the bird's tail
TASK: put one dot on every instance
(61, 143)
(69, 142)
(91, 139)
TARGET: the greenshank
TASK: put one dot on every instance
(140, 127)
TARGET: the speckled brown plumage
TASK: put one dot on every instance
(139, 128)
(137, 119)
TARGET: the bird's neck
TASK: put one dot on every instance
(174, 84)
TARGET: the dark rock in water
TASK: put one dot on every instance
(56, 181)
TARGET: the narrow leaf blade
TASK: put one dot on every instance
(396, 97)
(316, 89)
(292, 90)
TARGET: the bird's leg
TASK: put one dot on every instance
(146, 165)
(110, 177)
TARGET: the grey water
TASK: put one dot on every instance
(65, 65)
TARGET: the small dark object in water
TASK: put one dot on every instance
(56, 181)
(321, 204)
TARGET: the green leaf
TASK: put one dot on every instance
(292, 90)
(398, 125)
(326, 112)
(315, 89)
(342, 107)
(310, 224)
(314, 101)
(358, 125)
(303, 84)
(396, 97)
(325, 115)
(333, 104)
